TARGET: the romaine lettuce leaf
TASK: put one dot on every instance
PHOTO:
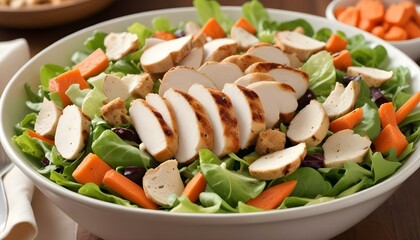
(370, 124)
(207, 9)
(96, 41)
(47, 72)
(93, 191)
(321, 71)
(142, 32)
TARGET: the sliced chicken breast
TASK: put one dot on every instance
(373, 77)
(120, 44)
(220, 111)
(310, 125)
(296, 78)
(114, 87)
(73, 129)
(218, 49)
(161, 57)
(194, 128)
(194, 58)
(244, 39)
(47, 120)
(162, 182)
(269, 53)
(243, 61)
(182, 78)
(249, 113)
(221, 73)
(277, 98)
(278, 164)
(254, 77)
(156, 135)
(298, 43)
(164, 108)
(341, 100)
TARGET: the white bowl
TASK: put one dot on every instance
(110, 221)
(410, 47)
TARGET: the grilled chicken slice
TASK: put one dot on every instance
(341, 100)
(219, 49)
(182, 78)
(296, 78)
(156, 135)
(298, 43)
(114, 87)
(151, 41)
(249, 113)
(194, 128)
(194, 58)
(47, 120)
(120, 44)
(244, 39)
(278, 164)
(310, 125)
(161, 57)
(243, 61)
(269, 53)
(73, 129)
(221, 73)
(162, 182)
(345, 146)
(373, 77)
(164, 108)
(139, 84)
(254, 77)
(220, 111)
(277, 98)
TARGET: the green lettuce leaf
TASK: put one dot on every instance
(310, 183)
(96, 41)
(321, 71)
(142, 32)
(47, 72)
(353, 174)
(207, 9)
(93, 191)
(370, 124)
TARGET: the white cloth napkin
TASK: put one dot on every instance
(31, 215)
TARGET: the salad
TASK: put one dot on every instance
(222, 115)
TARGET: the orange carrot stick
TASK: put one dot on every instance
(212, 29)
(93, 64)
(335, 43)
(339, 10)
(164, 35)
(372, 10)
(62, 82)
(407, 107)
(91, 169)
(33, 134)
(397, 14)
(342, 60)
(379, 31)
(272, 197)
(350, 16)
(244, 24)
(390, 137)
(387, 114)
(347, 121)
(413, 30)
(396, 33)
(127, 189)
(195, 186)
(366, 25)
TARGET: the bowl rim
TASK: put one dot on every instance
(41, 7)
(329, 13)
(389, 184)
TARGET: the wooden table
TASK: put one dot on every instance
(397, 218)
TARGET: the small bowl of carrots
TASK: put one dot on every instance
(396, 21)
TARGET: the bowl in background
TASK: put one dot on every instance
(410, 47)
(111, 221)
(48, 15)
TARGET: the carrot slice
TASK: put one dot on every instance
(33, 134)
(378, 31)
(387, 114)
(91, 169)
(342, 60)
(127, 189)
(407, 107)
(62, 82)
(371, 10)
(397, 14)
(396, 33)
(213, 29)
(244, 24)
(194, 187)
(413, 30)
(164, 35)
(390, 137)
(366, 24)
(93, 64)
(272, 197)
(335, 43)
(350, 16)
(339, 10)
(347, 121)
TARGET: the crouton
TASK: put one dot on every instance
(115, 113)
(269, 141)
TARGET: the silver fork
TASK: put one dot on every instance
(5, 166)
